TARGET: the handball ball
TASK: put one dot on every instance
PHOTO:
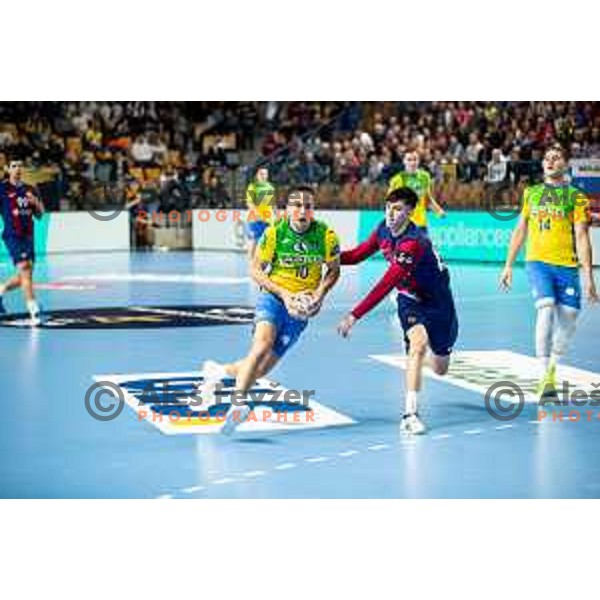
(305, 305)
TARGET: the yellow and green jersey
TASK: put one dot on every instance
(295, 260)
(551, 213)
(420, 183)
(260, 198)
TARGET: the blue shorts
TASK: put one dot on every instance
(19, 249)
(270, 308)
(554, 282)
(440, 322)
(255, 229)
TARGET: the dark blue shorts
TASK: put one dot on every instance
(440, 322)
(553, 283)
(270, 308)
(20, 249)
(255, 229)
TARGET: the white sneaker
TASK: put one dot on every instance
(213, 370)
(213, 374)
(35, 318)
(235, 417)
(412, 425)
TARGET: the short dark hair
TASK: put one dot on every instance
(300, 189)
(405, 195)
(556, 147)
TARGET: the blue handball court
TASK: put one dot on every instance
(148, 320)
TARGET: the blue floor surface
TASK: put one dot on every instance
(50, 447)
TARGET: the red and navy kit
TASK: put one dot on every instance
(17, 211)
(420, 278)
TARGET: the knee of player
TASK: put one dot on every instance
(261, 349)
(545, 304)
(440, 368)
(418, 347)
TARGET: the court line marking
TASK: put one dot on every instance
(254, 473)
(377, 447)
(284, 467)
(159, 278)
(321, 459)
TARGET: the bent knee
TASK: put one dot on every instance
(418, 347)
(440, 368)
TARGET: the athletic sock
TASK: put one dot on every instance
(32, 307)
(411, 402)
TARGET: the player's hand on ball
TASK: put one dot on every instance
(346, 325)
(303, 305)
(311, 302)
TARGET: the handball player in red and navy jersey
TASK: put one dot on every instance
(425, 304)
(18, 206)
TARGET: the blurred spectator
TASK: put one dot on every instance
(497, 168)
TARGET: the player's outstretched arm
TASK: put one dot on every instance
(383, 287)
(361, 252)
(584, 253)
(516, 243)
(437, 207)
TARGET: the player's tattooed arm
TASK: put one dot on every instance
(584, 253)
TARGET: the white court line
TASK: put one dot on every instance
(284, 466)
(193, 489)
(224, 481)
(441, 436)
(403, 442)
(165, 497)
(348, 453)
(254, 473)
(160, 278)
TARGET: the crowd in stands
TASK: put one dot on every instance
(464, 141)
(187, 154)
(87, 148)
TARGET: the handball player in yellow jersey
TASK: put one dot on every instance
(296, 264)
(555, 223)
(419, 181)
(261, 204)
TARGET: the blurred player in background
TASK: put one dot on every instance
(261, 201)
(419, 181)
(18, 206)
(425, 303)
(288, 267)
(555, 223)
